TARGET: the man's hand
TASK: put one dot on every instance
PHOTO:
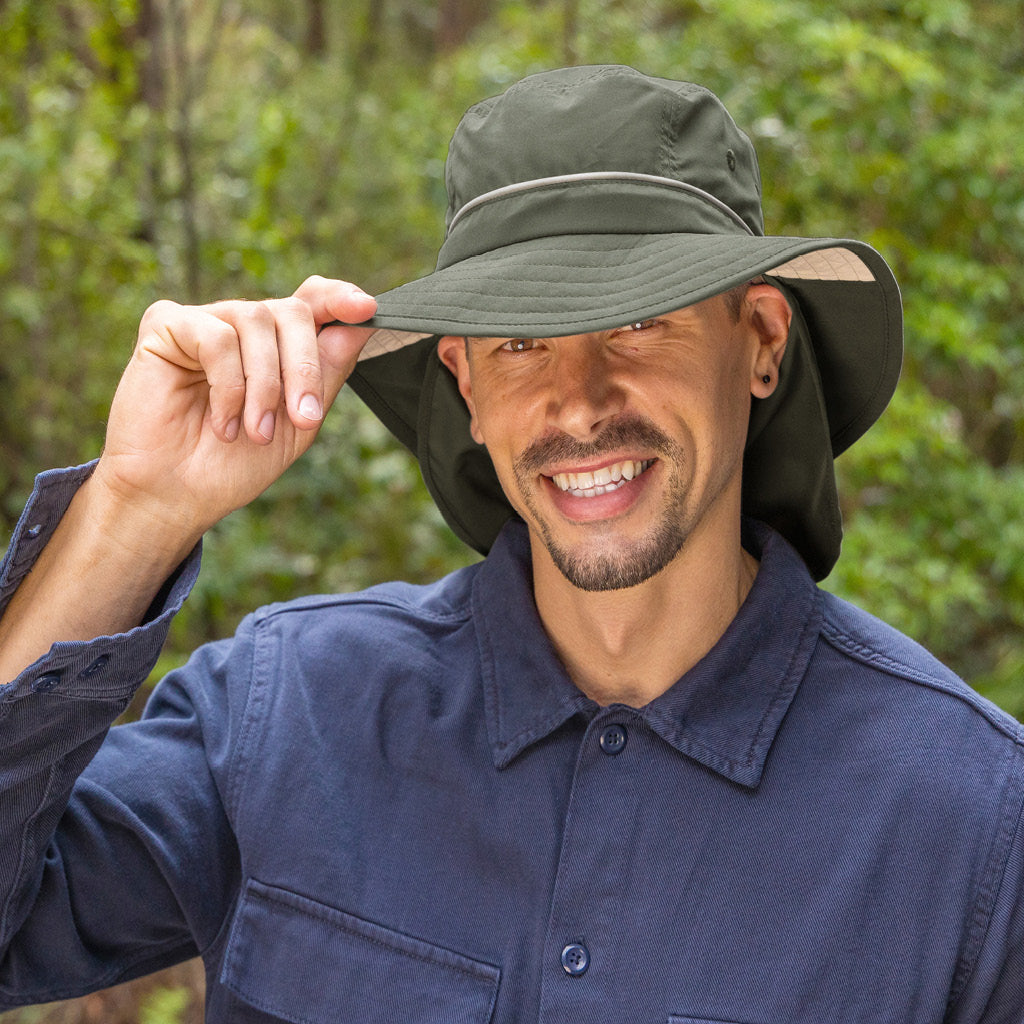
(218, 401)
(215, 404)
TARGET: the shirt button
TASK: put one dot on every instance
(575, 959)
(45, 683)
(33, 531)
(613, 740)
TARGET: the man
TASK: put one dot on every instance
(634, 766)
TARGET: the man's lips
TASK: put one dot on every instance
(592, 484)
(594, 479)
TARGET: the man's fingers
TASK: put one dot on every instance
(265, 359)
(339, 351)
(200, 343)
(253, 335)
(331, 300)
(222, 364)
(256, 331)
(280, 355)
(299, 355)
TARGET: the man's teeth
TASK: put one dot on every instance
(608, 478)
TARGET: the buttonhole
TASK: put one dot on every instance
(99, 664)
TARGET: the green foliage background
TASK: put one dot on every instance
(198, 150)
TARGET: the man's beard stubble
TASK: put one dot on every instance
(638, 560)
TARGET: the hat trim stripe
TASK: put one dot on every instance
(588, 176)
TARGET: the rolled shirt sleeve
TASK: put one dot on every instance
(53, 718)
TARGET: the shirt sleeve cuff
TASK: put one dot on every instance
(108, 666)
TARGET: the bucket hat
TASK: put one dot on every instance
(586, 198)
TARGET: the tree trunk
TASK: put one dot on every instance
(316, 29)
(456, 19)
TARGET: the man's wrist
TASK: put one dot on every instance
(143, 532)
(98, 575)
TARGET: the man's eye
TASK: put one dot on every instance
(518, 345)
(642, 325)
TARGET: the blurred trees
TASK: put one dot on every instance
(197, 149)
(202, 148)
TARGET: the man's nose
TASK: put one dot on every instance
(584, 392)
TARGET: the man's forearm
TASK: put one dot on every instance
(97, 576)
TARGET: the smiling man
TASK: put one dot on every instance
(622, 451)
(634, 766)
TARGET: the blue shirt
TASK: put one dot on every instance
(395, 806)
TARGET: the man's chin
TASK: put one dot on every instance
(593, 570)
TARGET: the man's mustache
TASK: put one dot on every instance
(634, 432)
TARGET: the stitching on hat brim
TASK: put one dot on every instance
(516, 277)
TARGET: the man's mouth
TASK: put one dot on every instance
(600, 481)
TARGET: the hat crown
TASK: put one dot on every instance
(606, 118)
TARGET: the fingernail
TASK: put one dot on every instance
(310, 407)
(266, 427)
(231, 430)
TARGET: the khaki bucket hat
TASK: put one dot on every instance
(587, 198)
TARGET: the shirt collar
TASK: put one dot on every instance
(724, 712)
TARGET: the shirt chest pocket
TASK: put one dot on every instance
(293, 959)
(675, 1019)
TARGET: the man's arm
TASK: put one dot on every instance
(215, 404)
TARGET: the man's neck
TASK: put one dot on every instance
(629, 646)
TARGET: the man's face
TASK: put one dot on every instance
(616, 447)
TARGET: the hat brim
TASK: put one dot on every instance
(839, 373)
(569, 284)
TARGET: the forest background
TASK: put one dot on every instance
(202, 149)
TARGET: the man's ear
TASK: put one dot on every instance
(766, 310)
(454, 353)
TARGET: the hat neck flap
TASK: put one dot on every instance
(788, 472)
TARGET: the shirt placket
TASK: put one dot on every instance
(582, 973)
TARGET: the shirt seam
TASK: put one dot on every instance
(250, 721)
(267, 614)
(855, 647)
(373, 940)
(993, 879)
(488, 677)
(27, 841)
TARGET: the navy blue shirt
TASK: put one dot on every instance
(395, 806)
